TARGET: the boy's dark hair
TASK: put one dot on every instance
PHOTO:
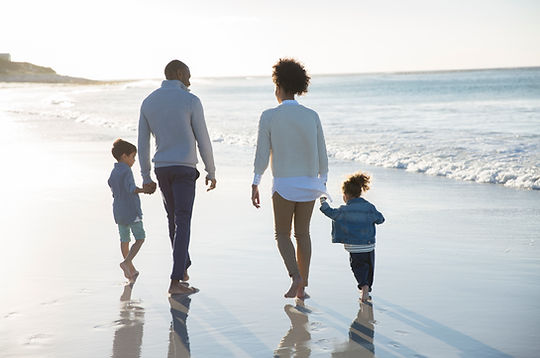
(120, 147)
(291, 76)
(356, 184)
(173, 67)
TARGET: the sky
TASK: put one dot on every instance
(135, 39)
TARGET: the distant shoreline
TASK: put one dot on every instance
(47, 78)
(52, 77)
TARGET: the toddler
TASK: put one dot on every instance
(353, 224)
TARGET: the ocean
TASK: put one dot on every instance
(480, 125)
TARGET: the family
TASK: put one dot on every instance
(290, 139)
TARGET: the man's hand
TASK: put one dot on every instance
(149, 188)
(323, 199)
(212, 183)
(255, 196)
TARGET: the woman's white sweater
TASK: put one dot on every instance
(291, 137)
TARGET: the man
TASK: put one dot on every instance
(175, 117)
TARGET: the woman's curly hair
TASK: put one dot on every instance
(356, 184)
(291, 76)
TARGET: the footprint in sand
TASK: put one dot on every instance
(323, 344)
(11, 315)
(401, 332)
(315, 326)
(39, 339)
(52, 302)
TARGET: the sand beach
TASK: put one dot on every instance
(457, 264)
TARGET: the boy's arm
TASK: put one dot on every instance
(330, 212)
(130, 184)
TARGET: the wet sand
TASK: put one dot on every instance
(457, 265)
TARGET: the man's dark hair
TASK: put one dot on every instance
(291, 76)
(173, 67)
(120, 147)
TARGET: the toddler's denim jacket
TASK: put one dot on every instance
(353, 223)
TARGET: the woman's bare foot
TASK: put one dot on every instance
(295, 285)
(133, 278)
(301, 293)
(365, 293)
(125, 267)
(176, 288)
(186, 276)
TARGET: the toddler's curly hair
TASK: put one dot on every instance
(356, 184)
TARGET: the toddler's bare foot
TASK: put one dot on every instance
(176, 288)
(295, 285)
(365, 293)
(125, 267)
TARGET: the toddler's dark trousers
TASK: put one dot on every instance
(177, 184)
(363, 267)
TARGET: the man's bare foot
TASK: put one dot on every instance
(365, 293)
(176, 288)
(125, 267)
(186, 276)
(295, 285)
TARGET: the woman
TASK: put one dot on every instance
(291, 135)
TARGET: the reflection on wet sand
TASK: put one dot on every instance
(178, 336)
(295, 343)
(361, 332)
(128, 336)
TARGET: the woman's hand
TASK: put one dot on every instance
(255, 196)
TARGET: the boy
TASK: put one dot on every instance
(126, 205)
(353, 224)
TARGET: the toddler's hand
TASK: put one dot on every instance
(323, 199)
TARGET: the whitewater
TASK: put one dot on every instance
(481, 126)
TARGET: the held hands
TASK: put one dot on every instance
(149, 188)
(323, 199)
(255, 200)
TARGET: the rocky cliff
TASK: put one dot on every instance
(28, 72)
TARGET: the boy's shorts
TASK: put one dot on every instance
(136, 228)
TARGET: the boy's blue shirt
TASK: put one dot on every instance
(353, 223)
(126, 203)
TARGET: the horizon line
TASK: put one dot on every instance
(398, 72)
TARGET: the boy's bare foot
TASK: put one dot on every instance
(295, 285)
(176, 288)
(365, 293)
(125, 267)
(133, 278)
(186, 276)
